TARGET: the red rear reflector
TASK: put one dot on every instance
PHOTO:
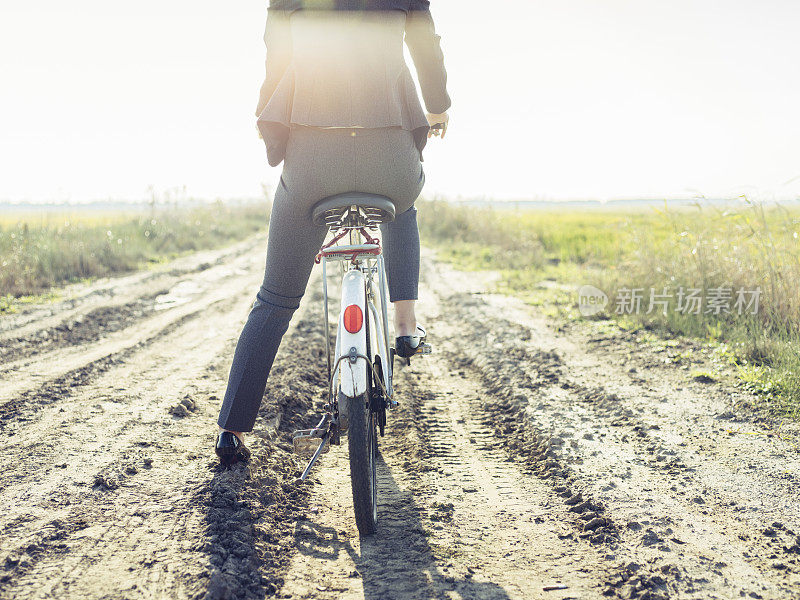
(353, 318)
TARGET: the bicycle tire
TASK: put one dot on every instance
(362, 443)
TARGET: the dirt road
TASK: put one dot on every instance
(526, 453)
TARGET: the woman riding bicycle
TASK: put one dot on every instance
(340, 109)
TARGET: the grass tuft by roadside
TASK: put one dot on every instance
(40, 251)
(742, 250)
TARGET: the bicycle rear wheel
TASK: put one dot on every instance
(362, 442)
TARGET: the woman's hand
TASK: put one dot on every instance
(438, 124)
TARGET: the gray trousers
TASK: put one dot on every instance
(321, 163)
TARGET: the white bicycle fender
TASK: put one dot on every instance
(352, 375)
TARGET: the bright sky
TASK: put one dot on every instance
(551, 99)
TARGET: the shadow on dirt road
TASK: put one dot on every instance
(400, 547)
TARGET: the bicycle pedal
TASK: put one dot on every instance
(424, 348)
(306, 444)
(421, 350)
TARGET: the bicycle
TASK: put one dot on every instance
(360, 380)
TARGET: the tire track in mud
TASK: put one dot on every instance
(119, 436)
(81, 299)
(516, 532)
(263, 502)
(119, 491)
(60, 368)
(456, 517)
(739, 563)
(676, 535)
(79, 329)
(19, 409)
(520, 457)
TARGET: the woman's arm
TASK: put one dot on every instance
(278, 40)
(423, 44)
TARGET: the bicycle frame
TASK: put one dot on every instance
(351, 373)
(360, 368)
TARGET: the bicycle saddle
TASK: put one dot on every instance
(378, 209)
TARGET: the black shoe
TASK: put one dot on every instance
(409, 345)
(231, 449)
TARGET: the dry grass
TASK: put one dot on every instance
(742, 246)
(44, 250)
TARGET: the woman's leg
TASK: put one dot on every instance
(405, 319)
(390, 161)
(293, 243)
(401, 257)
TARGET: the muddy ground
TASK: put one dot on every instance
(526, 453)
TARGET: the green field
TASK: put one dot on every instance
(738, 252)
(41, 250)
